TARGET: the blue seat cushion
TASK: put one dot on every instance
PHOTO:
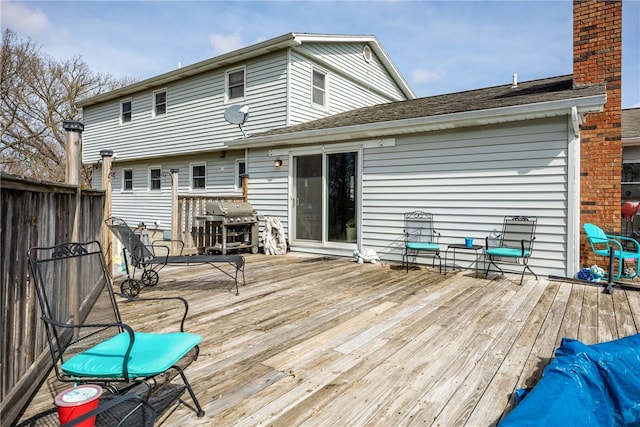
(508, 252)
(420, 246)
(151, 354)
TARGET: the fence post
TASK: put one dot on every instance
(72, 176)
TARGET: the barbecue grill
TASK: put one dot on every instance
(227, 226)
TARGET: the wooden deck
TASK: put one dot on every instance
(319, 341)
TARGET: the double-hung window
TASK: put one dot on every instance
(160, 102)
(125, 111)
(127, 180)
(319, 88)
(241, 169)
(198, 176)
(630, 173)
(155, 178)
(235, 85)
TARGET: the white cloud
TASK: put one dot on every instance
(24, 21)
(222, 43)
(425, 75)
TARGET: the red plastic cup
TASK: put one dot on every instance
(74, 402)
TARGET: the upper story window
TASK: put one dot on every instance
(319, 88)
(125, 111)
(241, 169)
(198, 176)
(234, 84)
(159, 102)
(127, 180)
(155, 178)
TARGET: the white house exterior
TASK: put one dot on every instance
(468, 158)
(176, 120)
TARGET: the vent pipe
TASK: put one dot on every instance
(515, 81)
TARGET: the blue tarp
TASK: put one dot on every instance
(585, 385)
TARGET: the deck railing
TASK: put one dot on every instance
(34, 213)
(189, 208)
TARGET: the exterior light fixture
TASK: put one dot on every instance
(278, 162)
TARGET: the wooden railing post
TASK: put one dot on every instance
(176, 227)
(107, 243)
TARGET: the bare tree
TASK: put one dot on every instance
(38, 93)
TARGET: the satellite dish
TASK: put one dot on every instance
(237, 114)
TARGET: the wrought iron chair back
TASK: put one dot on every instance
(88, 340)
(420, 237)
(514, 244)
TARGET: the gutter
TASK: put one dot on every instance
(583, 105)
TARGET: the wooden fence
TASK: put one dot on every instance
(33, 213)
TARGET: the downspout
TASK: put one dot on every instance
(573, 202)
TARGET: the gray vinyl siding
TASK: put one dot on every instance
(154, 207)
(268, 186)
(194, 121)
(348, 58)
(469, 179)
(343, 93)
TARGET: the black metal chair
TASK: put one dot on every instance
(88, 340)
(420, 237)
(514, 245)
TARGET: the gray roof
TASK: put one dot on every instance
(631, 123)
(531, 92)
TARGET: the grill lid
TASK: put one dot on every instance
(229, 209)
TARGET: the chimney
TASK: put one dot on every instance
(597, 58)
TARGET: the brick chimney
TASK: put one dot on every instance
(597, 57)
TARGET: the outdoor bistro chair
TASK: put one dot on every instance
(152, 257)
(420, 237)
(514, 244)
(626, 251)
(88, 341)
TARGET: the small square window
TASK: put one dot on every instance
(125, 111)
(127, 180)
(198, 177)
(319, 88)
(155, 181)
(235, 84)
(160, 102)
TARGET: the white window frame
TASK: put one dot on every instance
(155, 105)
(238, 185)
(325, 89)
(191, 176)
(122, 120)
(227, 87)
(124, 180)
(151, 179)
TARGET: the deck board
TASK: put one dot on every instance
(316, 341)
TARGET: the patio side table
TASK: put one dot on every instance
(464, 247)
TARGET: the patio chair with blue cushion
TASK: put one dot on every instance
(513, 246)
(626, 251)
(420, 237)
(88, 340)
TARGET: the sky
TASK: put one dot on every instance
(438, 46)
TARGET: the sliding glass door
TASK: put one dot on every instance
(325, 197)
